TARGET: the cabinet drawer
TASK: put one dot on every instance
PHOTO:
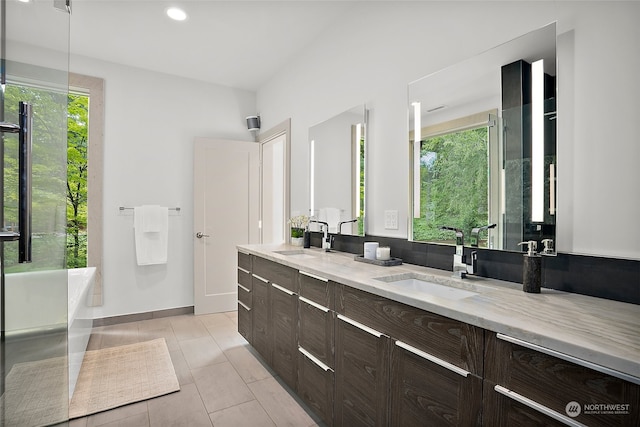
(261, 316)
(455, 342)
(244, 261)
(527, 373)
(315, 386)
(317, 289)
(284, 321)
(316, 330)
(424, 393)
(361, 375)
(245, 323)
(244, 296)
(244, 278)
(276, 273)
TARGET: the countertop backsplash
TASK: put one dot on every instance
(609, 278)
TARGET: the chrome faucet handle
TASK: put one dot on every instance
(475, 234)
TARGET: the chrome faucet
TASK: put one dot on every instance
(345, 222)
(475, 234)
(326, 238)
(460, 266)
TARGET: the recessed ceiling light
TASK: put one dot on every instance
(176, 14)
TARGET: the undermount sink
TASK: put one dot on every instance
(413, 282)
(298, 253)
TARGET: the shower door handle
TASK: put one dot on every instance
(24, 182)
(200, 235)
(23, 129)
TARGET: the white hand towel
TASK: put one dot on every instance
(151, 232)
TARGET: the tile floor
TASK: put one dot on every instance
(223, 382)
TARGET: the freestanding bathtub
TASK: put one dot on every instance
(36, 303)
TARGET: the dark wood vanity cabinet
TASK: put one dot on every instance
(361, 375)
(316, 363)
(245, 297)
(275, 317)
(436, 363)
(424, 392)
(268, 307)
(529, 385)
(359, 359)
(261, 317)
(284, 307)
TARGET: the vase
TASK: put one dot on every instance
(297, 241)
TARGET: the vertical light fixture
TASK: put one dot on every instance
(356, 168)
(312, 162)
(537, 141)
(417, 137)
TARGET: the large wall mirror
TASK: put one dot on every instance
(483, 144)
(337, 172)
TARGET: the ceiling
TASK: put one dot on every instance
(237, 43)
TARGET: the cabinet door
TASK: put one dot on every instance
(502, 411)
(427, 391)
(361, 375)
(315, 385)
(245, 322)
(260, 310)
(284, 307)
(316, 330)
(456, 342)
(556, 386)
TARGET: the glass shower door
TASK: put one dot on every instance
(33, 96)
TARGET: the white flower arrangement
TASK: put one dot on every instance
(298, 224)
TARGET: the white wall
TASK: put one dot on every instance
(151, 120)
(372, 57)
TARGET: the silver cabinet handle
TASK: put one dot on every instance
(285, 290)
(314, 304)
(568, 358)
(360, 326)
(244, 306)
(315, 360)
(244, 270)
(537, 407)
(243, 288)
(262, 279)
(200, 235)
(313, 276)
(432, 358)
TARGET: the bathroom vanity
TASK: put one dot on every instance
(407, 345)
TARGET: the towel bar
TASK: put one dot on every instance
(171, 209)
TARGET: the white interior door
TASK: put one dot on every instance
(226, 213)
(274, 190)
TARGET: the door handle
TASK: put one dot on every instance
(24, 182)
(200, 235)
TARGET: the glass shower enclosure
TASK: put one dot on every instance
(33, 295)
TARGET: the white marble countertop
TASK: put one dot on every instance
(596, 330)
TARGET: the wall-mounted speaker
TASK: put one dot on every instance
(253, 123)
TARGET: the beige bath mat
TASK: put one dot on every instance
(36, 393)
(117, 376)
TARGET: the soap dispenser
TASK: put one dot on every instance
(531, 268)
(306, 241)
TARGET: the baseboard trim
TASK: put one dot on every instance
(136, 317)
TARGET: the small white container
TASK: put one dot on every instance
(383, 253)
(370, 249)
